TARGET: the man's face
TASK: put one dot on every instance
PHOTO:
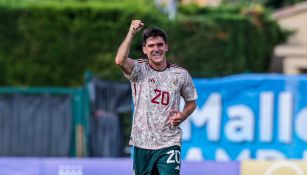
(155, 49)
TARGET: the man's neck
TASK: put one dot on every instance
(158, 66)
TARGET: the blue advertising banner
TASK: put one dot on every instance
(245, 117)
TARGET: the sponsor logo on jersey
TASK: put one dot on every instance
(152, 80)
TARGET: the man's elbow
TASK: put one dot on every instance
(119, 62)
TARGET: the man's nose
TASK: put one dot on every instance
(156, 48)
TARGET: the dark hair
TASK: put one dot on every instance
(153, 32)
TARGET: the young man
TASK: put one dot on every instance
(156, 88)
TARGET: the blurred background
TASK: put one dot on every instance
(65, 107)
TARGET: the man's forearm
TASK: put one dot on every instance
(121, 58)
(188, 109)
(123, 50)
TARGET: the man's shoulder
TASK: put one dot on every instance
(140, 63)
(178, 68)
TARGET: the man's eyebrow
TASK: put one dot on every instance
(156, 43)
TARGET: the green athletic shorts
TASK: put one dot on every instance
(165, 161)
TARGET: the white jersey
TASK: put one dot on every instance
(155, 93)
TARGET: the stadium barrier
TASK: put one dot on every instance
(43, 122)
(94, 166)
(239, 117)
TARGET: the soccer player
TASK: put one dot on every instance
(157, 87)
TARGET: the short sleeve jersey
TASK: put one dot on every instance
(155, 94)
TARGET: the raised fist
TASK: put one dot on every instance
(136, 25)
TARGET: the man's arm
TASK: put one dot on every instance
(178, 117)
(121, 58)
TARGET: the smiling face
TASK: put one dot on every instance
(155, 48)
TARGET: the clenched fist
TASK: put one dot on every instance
(136, 25)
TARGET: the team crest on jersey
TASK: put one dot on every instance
(175, 83)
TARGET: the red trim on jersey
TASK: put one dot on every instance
(167, 66)
(142, 61)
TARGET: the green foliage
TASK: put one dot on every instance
(44, 45)
(53, 44)
(224, 40)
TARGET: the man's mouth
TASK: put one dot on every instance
(157, 54)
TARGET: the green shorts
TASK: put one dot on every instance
(165, 161)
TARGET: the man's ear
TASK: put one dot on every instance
(144, 50)
(166, 49)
